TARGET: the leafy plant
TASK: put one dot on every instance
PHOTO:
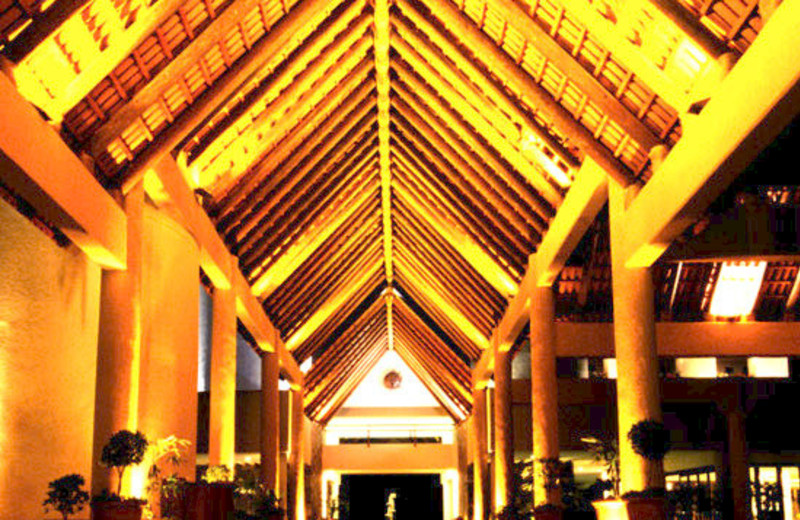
(218, 473)
(650, 439)
(66, 496)
(163, 487)
(607, 452)
(551, 471)
(124, 448)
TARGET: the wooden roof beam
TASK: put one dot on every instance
(249, 236)
(291, 150)
(726, 136)
(299, 95)
(33, 50)
(454, 140)
(254, 208)
(501, 64)
(481, 154)
(447, 160)
(589, 85)
(282, 38)
(415, 165)
(37, 165)
(613, 37)
(381, 30)
(329, 307)
(465, 65)
(218, 264)
(477, 119)
(483, 263)
(583, 202)
(306, 245)
(423, 282)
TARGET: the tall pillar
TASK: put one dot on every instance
(462, 441)
(318, 508)
(737, 464)
(479, 469)
(638, 385)
(503, 431)
(297, 500)
(270, 421)
(118, 345)
(544, 391)
(222, 420)
(170, 318)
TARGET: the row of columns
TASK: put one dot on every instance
(143, 352)
(638, 389)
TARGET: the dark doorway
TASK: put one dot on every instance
(366, 497)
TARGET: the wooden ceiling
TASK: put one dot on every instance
(381, 169)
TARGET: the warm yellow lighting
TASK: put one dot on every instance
(737, 289)
(534, 148)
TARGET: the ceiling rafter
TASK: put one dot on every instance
(448, 260)
(327, 267)
(460, 156)
(502, 143)
(359, 227)
(283, 37)
(501, 64)
(473, 253)
(412, 127)
(303, 92)
(586, 82)
(381, 54)
(330, 179)
(551, 145)
(495, 104)
(278, 82)
(294, 147)
(452, 332)
(263, 203)
(416, 166)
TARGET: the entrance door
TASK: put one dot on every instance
(371, 497)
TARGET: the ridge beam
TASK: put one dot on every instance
(382, 80)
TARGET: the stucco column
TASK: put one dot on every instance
(222, 420)
(479, 468)
(270, 421)
(544, 390)
(638, 386)
(170, 318)
(297, 500)
(118, 345)
(737, 458)
(318, 508)
(462, 440)
(503, 431)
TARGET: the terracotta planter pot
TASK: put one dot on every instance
(209, 501)
(548, 514)
(122, 510)
(646, 508)
(610, 509)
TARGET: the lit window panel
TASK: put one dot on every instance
(737, 289)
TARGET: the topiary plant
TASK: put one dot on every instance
(66, 496)
(124, 448)
(650, 439)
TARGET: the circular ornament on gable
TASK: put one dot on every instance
(392, 380)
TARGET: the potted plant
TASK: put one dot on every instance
(260, 503)
(213, 497)
(167, 491)
(649, 439)
(66, 496)
(124, 449)
(606, 451)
